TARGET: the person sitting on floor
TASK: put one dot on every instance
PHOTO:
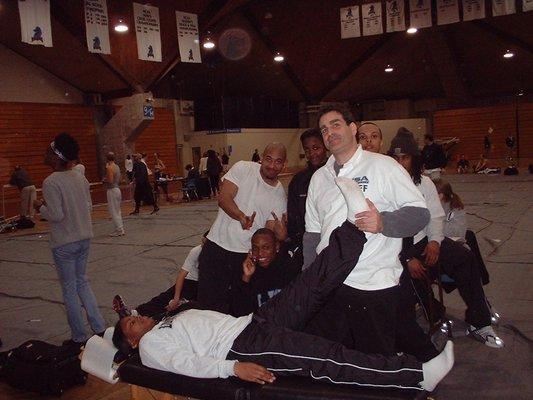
(462, 165)
(268, 268)
(430, 248)
(209, 344)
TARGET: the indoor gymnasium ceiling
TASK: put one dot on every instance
(457, 61)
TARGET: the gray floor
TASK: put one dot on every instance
(144, 262)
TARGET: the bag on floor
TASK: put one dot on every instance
(44, 368)
(24, 223)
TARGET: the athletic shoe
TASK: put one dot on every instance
(117, 233)
(485, 335)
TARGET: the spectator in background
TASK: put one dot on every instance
(480, 165)
(433, 157)
(255, 156)
(225, 161)
(191, 182)
(21, 179)
(202, 166)
(67, 206)
(462, 165)
(160, 177)
(113, 193)
(128, 165)
(143, 190)
(214, 168)
(79, 167)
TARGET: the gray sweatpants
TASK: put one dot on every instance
(28, 195)
(114, 198)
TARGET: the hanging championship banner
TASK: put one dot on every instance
(527, 5)
(473, 9)
(372, 22)
(420, 12)
(447, 12)
(148, 32)
(97, 26)
(503, 7)
(35, 26)
(395, 15)
(350, 25)
(188, 39)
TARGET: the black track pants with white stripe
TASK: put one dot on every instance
(273, 339)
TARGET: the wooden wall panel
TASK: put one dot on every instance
(26, 129)
(160, 137)
(471, 125)
(525, 129)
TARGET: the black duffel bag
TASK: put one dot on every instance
(44, 368)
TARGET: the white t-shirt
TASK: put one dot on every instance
(128, 164)
(193, 343)
(389, 187)
(254, 194)
(434, 229)
(191, 263)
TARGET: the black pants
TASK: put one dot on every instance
(359, 319)
(213, 181)
(218, 270)
(157, 304)
(143, 192)
(410, 337)
(274, 338)
(460, 264)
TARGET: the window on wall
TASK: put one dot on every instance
(227, 113)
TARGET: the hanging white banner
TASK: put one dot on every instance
(97, 26)
(350, 24)
(473, 9)
(527, 5)
(447, 12)
(148, 32)
(420, 11)
(188, 39)
(395, 15)
(35, 26)
(503, 7)
(372, 22)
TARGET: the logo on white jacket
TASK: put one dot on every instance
(362, 181)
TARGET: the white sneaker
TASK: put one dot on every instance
(117, 233)
(485, 335)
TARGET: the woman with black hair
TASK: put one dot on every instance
(67, 207)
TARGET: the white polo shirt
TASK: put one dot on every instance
(389, 187)
(254, 194)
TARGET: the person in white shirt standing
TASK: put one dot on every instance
(251, 197)
(114, 195)
(362, 312)
(128, 166)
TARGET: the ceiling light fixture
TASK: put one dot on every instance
(121, 26)
(208, 43)
(278, 57)
(508, 54)
(389, 68)
(412, 30)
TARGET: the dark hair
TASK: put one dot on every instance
(211, 154)
(449, 195)
(68, 146)
(311, 133)
(110, 156)
(417, 166)
(266, 232)
(120, 341)
(340, 108)
(188, 167)
(428, 137)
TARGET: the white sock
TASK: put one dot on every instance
(437, 368)
(353, 195)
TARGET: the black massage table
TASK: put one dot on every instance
(293, 388)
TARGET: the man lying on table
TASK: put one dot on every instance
(208, 344)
